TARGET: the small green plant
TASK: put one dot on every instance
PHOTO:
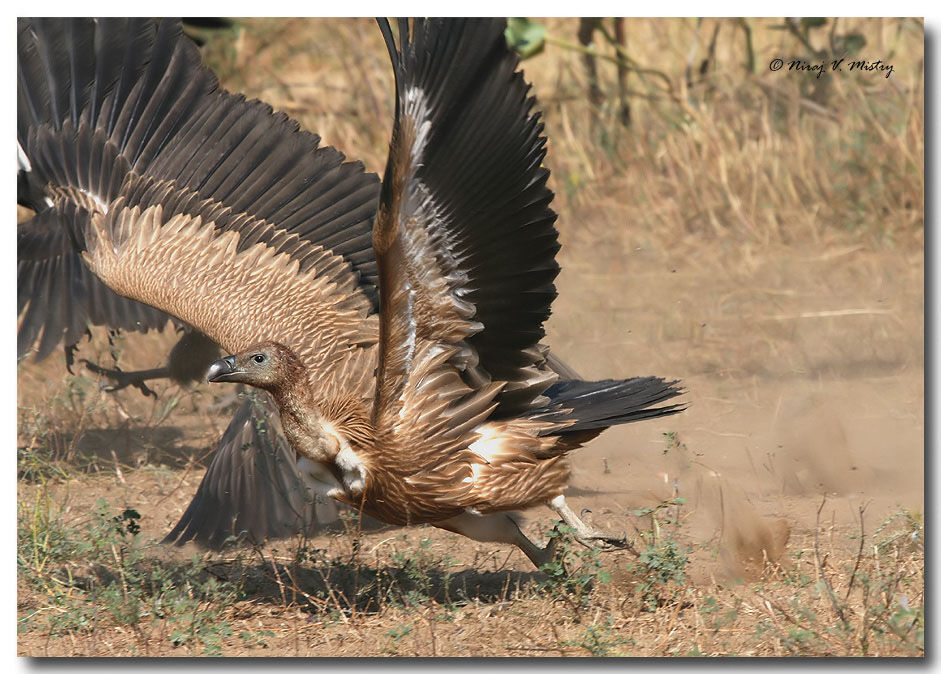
(395, 635)
(715, 617)
(873, 606)
(573, 572)
(662, 567)
(50, 429)
(661, 564)
(419, 569)
(97, 572)
(36, 465)
(256, 639)
(599, 639)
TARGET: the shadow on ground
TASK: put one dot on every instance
(132, 447)
(328, 586)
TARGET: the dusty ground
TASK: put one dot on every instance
(831, 409)
(804, 367)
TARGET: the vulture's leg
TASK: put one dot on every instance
(187, 363)
(121, 379)
(585, 534)
(498, 528)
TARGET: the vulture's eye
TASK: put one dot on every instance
(259, 358)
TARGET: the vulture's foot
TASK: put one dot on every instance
(601, 540)
(121, 379)
(586, 534)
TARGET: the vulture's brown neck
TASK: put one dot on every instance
(292, 390)
(301, 417)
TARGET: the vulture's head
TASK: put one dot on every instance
(270, 366)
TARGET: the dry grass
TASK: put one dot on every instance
(90, 587)
(750, 233)
(746, 156)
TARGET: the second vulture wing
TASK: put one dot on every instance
(464, 238)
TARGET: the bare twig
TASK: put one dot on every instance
(277, 578)
(823, 576)
(859, 554)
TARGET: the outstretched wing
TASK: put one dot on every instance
(464, 237)
(252, 490)
(102, 100)
(161, 244)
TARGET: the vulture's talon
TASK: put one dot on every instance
(586, 534)
(604, 542)
(143, 388)
(70, 351)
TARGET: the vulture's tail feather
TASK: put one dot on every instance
(596, 405)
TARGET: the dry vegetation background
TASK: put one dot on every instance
(757, 234)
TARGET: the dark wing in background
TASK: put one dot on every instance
(100, 101)
(57, 295)
(252, 489)
(72, 74)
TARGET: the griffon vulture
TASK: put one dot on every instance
(444, 408)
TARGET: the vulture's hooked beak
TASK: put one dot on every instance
(223, 369)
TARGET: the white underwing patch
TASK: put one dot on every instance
(316, 477)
